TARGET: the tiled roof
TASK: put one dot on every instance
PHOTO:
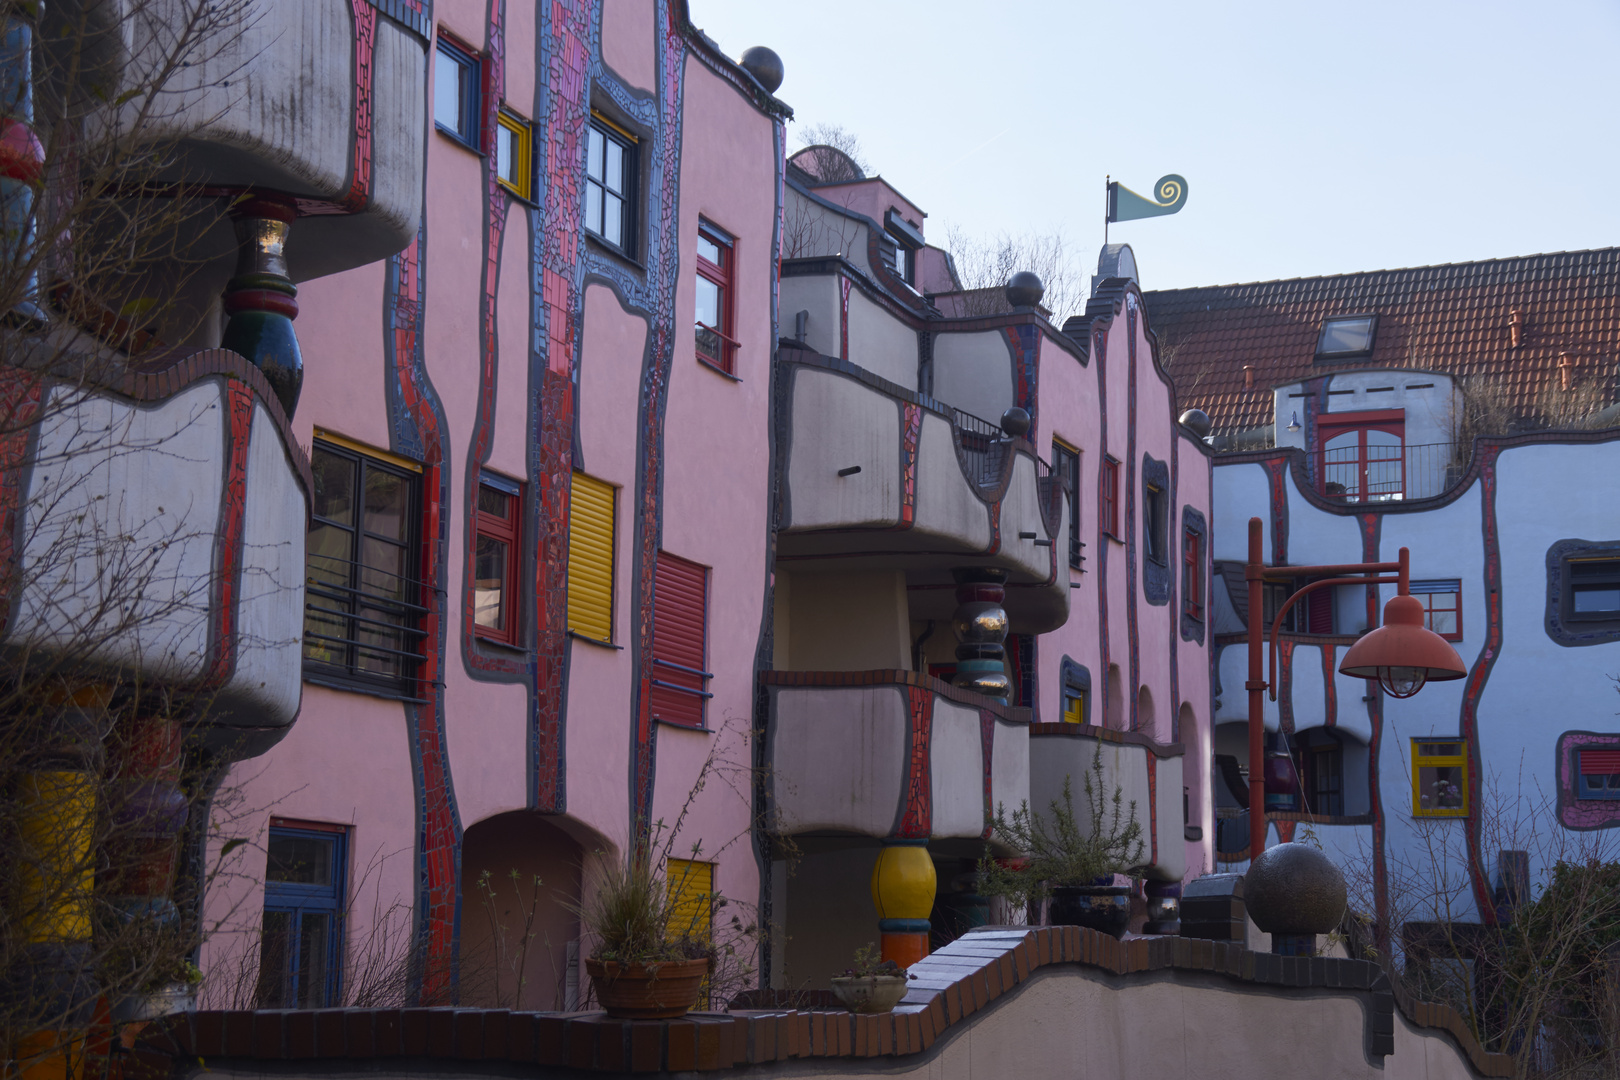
(1453, 318)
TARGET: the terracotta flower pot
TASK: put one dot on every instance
(870, 993)
(658, 991)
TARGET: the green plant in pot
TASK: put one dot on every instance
(1072, 866)
(872, 985)
(650, 955)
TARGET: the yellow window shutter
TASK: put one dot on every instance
(691, 890)
(590, 558)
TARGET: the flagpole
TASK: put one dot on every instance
(1107, 178)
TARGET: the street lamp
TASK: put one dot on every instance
(1403, 655)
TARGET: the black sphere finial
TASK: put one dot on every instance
(1025, 289)
(1015, 422)
(765, 66)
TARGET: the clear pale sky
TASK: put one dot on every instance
(1316, 137)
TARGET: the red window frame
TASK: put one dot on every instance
(1389, 421)
(723, 276)
(1110, 497)
(1192, 577)
(1426, 592)
(679, 692)
(507, 531)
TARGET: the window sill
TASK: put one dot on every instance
(499, 644)
(456, 137)
(577, 636)
(718, 370)
(702, 728)
(617, 253)
(334, 683)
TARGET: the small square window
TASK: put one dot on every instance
(1110, 497)
(716, 299)
(1442, 606)
(1593, 589)
(610, 174)
(514, 154)
(1347, 336)
(457, 79)
(1599, 774)
(1439, 778)
(495, 574)
(1074, 706)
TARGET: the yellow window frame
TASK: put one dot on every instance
(1429, 796)
(522, 183)
(1075, 706)
(691, 900)
(592, 521)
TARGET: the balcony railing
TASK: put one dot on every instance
(1375, 474)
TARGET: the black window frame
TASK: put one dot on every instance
(296, 900)
(1608, 578)
(629, 209)
(1348, 354)
(320, 596)
(470, 69)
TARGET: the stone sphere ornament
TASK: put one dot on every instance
(765, 66)
(1197, 421)
(1025, 289)
(1294, 892)
(1015, 422)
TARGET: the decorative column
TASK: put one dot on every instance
(22, 168)
(262, 301)
(980, 623)
(903, 883)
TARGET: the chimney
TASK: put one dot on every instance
(1248, 377)
(1516, 327)
(1566, 370)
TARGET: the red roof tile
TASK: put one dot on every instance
(1453, 318)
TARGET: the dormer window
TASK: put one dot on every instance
(1347, 337)
(900, 245)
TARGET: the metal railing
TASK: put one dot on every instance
(368, 629)
(984, 447)
(1374, 474)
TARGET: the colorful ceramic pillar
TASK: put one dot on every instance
(262, 301)
(22, 166)
(980, 624)
(903, 883)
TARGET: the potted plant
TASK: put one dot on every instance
(872, 985)
(638, 967)
(1076, 868)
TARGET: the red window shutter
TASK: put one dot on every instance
(680, 618)
(1599, 762)
(1321, 611)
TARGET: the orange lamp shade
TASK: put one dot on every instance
(1403, 654)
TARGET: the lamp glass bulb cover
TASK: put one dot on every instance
(1402, 682)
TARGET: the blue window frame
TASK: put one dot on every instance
(1599, 774)
(301, 945)
(457, 83)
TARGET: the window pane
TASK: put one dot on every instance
(593, 208)
(382, 570)
(708, 249)
(387, 503)
(593, 155)
(448, 73)
(489, 583)
(301, 860)
(1341, 458)
(1440, 787)
(378, 647)
(334, 486)
(503, 153)
(1443, 622)
(613, 175)
(314, 954)
(275, 959)
(1346, 335)
(495, 503)
(1594, 568)
(1596, 599)
(613, 219)
(708, 303)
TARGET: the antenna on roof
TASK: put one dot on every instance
(1108, 186)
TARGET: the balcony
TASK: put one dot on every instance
(875, 476)
(1148, 774)
(890, 753)
(1388, 473)
(162, 541)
